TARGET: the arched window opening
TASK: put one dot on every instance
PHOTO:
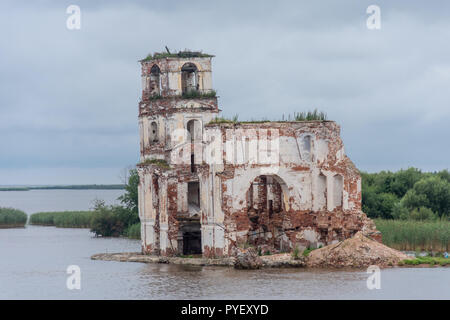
(189, 78)
(307, 148)
(338, 185)
(155, 81)
(153, 132)
(265, 195)
(267, 199)
(195, 130)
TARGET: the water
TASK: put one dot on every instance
(56, 200)
(33, 263)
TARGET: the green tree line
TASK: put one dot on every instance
(406, 194)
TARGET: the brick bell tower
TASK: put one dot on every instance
(177, 101)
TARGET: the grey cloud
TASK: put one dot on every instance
(69, 98)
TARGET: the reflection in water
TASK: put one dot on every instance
(193, 282)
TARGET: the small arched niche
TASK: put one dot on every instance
(189, 78)
(194, 129)
(154, 132)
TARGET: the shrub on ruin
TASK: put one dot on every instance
(296, 253)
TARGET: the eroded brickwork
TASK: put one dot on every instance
(208, 187)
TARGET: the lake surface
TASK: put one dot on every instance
(34, 260)
(56, 200)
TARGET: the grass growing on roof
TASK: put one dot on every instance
(297, 117)
(179, 54)
(198, 94)
(158, 162)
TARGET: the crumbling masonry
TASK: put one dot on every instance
(209, 186)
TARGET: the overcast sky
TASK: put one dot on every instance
(69, 98)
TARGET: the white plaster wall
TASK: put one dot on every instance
(217, 203)
(338, 184)
(345, 202)
(340, 154)
(163, 236)
(148, 211)
(182, 200)
(207, 80)
(141, 197)
(149, 231)
(207, 236)
(175, 82)
(162, 201)
(219, 237)
(141, 139)
(319, 191)
(145, 131)
(321, 150)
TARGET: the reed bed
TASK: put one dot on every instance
(412, 235)
(12, 218)
(62, 219)
(134, 231)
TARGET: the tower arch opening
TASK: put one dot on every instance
(154, 132)
(155, 81)
(189, 78)
(194, 129)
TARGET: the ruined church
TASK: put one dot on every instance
(209, 185)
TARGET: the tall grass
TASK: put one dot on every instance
(12, 218)
(310, 115)
(415, 235)
(64, 219)
(134, 231)
(198, 94)
(158, 162)
(80, 219)
(314, 115)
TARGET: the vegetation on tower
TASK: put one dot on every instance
(179, 54)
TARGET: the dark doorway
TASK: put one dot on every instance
(192, 239)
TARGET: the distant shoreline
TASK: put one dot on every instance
(67, 187)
